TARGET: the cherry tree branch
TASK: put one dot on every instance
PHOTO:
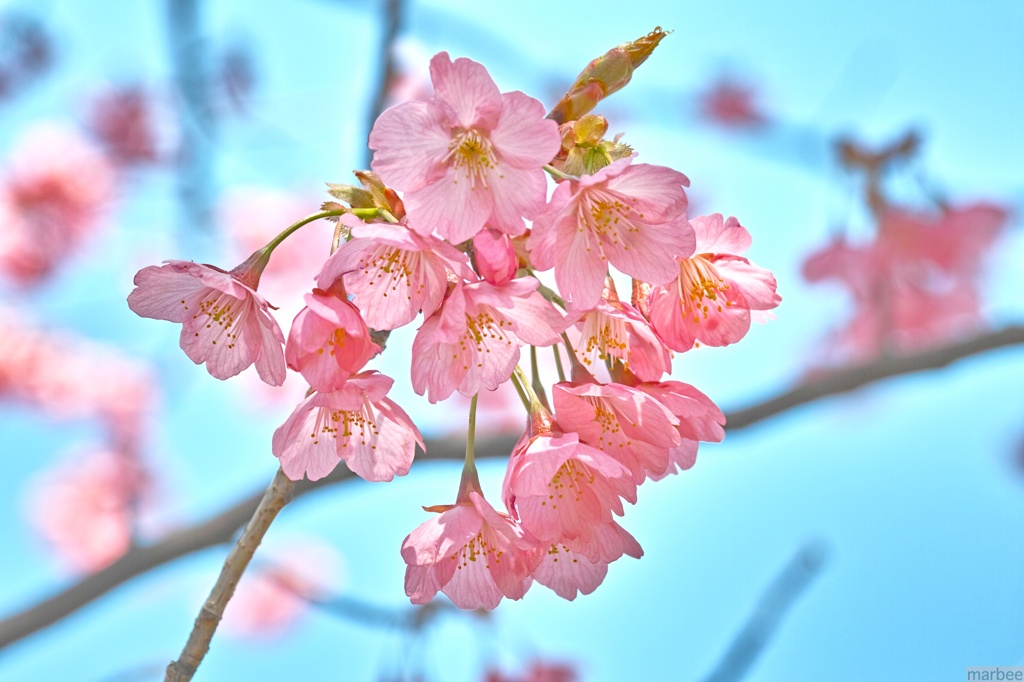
(273, 501)
(221, 527)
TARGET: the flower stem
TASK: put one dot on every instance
(287, 232)
(470, 480)
(522, 394)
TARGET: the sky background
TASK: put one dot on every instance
(909, 488)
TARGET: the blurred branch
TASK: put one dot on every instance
(222, 527)
(386, 59)
(780, 596)
(273, 501)
(853, 377)
(196, 120)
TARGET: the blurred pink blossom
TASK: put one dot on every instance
(275, 592)
(123, 120)
(72, 378)
(56, 189)
(731, 104)
(83, 507)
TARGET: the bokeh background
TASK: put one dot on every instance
(871, 535)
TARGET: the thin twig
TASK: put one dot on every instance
(221, 527)
(277, 496)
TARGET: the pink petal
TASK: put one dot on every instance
(301, 445)
(410, 142)
(524, 137)
(467, 91)
(715, 235)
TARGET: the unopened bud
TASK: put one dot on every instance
(607, 74)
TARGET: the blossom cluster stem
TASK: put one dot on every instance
(288, 231)
(274, 499)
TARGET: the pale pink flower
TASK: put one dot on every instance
(561, 489)
(469, 156)
(632, 216)
(328, 341)
(577, 565)
(391, 272)
(356, 423)
(472, 343)
(58, 187)
(715, 291)
(470, 552)
(83, 508)
(225, 322)
(625, 423)
(614, 330)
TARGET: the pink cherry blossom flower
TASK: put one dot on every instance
(561, 489)
(632, 216)
(58, 188)
(328, 341)
(715, 291)
(355, 423)
(472, 343)
(699, 420)
(614, 330)
(391, 272)
(623, 422)
(470, 156)
(225, 323)
(572, 566)
(470, 552)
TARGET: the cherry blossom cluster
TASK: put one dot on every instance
(916, 283)
(455, 222)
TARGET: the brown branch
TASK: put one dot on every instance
(221, 527)
(273, 501)
(851, 378)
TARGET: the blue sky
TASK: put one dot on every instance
(909, 484)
